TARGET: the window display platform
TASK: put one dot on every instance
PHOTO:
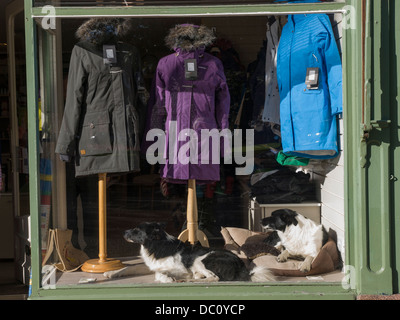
(145, 276)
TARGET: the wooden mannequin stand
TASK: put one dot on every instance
(102, 264)
(192, 233)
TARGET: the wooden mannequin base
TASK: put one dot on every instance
(97, 266)
(201, 237)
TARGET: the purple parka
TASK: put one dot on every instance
(179, 104)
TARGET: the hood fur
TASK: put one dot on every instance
(103, 30)
(189, 37)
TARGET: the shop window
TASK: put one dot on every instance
(230, 201)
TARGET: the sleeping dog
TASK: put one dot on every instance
(295, 236)
(174, 260)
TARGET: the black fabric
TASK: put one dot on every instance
(284, 186)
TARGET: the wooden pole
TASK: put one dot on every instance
(102, 217)
(192, 214)
(192, 233)
(102, 264)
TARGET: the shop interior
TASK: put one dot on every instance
(14, 175)
(234, 202)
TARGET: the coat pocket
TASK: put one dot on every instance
(95, 138)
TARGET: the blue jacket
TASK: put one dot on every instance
(308, 117)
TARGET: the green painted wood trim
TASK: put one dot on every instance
(370, 245)
(33, 141)
(356, 160)
(376, 272)
(154, 11)
(201, 292)
(378, 263)
(351, 61)
(394, 102)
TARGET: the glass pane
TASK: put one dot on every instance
(18, 173)
(5, 128)
(221, 84)
(21, 153)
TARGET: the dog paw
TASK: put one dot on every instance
(212, 279)
(282, 257)
(198, 276)
(163, 278)
(306, 265)
(305, 268)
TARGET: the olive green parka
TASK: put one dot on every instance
(100, 126)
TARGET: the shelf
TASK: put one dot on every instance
(9, 194)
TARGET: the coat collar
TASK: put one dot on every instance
(194, 54)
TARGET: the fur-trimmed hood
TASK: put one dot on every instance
(103, 30)
(189, 37)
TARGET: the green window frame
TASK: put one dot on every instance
(352, 97)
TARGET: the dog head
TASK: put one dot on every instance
(146, 231)
(279, 220)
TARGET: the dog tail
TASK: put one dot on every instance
(261, 274)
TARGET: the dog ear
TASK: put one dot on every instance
(289, 217)
(162, 225)
(280, 224)
(157, 232)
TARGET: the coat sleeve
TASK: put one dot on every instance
(333, 65)
(222, 100)
(156, 112)
(77, 78)
(140, 103)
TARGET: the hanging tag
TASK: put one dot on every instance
(109, 54)
(312, 78)
(139, 82)
(191, 69)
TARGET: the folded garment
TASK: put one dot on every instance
(284, 186)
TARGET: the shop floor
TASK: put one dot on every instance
(145, 276)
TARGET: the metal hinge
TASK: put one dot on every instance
(375, 124)
(380, 124)
(366, 130)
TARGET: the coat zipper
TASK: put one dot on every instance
(290, 82)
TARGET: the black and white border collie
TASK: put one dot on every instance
(295, 236)
(174, 260)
